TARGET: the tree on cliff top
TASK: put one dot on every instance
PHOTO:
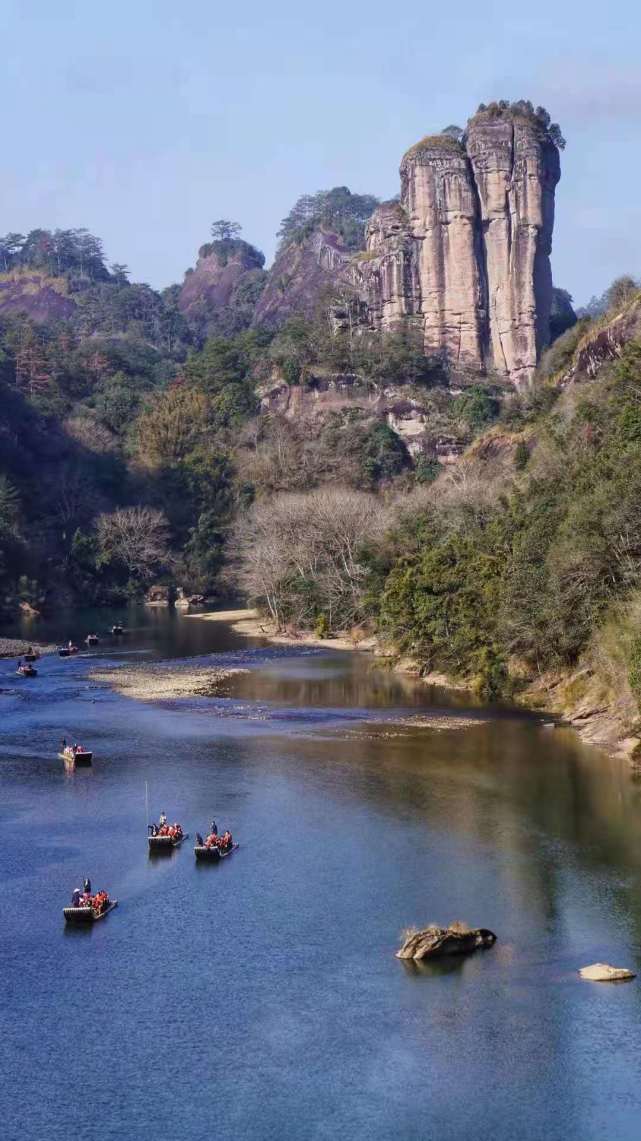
(337, 209)
(524, 109)
(222, 230)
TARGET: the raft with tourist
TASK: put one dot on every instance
(92, 639)
(31, 655)
(214, 847)
(25, 669)
(117, 629)
(87, 906)
(75, 754)
(68, 650)
(164, 837)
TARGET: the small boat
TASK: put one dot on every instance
(212, 855)
(26, 671)
(67, 651)
(31, 655)
(117, 630)
(89, 914)
(76, 755)
(92, 639)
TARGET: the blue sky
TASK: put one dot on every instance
(145, 120)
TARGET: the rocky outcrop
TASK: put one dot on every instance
(38, 296)
(301, 273)
(464, 256)
(436, 942)
(220, 294)
(604, 973)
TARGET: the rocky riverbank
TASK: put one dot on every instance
(159, 682)
(16, 647)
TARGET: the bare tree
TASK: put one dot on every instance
(300, 553)
(136, 537)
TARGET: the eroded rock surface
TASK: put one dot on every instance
(435, 942)
(464, 256)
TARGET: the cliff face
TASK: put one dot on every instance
(300, 274)
(465, 254)
(36, 295)
(220, 294)
(516, 169)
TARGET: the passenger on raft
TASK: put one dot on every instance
(223, 843)
(173, 830)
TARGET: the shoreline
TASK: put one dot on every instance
(597, 726)
(251, 624)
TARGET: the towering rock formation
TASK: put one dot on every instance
(464, 255)
(516, 168)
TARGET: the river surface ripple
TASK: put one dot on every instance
(261, 998)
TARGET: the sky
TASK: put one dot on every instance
(145, 120)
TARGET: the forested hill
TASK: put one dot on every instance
(334, 474)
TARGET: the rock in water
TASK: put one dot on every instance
(435, 942)
(604, 973)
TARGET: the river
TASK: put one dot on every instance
(261, 998)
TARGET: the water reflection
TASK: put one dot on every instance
(350, 830)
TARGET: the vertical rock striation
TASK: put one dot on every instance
(464, 256)
(516, 168)
(437, 193)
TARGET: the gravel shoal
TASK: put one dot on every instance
(159, 683)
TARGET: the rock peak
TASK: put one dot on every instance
(465, 255)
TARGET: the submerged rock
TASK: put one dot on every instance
(604, 973)
(434, 942)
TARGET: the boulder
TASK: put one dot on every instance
(157, 596)
(436, 942)
(604, 973)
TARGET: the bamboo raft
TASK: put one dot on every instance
(158, 844)
(212, 855)
(87, 914)
(26, 671)
(67, 651)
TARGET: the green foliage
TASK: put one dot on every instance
(538, 572)
(337, 210)
(384, 454)
(426, 470)
(634, 674)
(477, 407)
(521, 455)
(55, 252)
(523, 109)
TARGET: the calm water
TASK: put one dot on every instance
(261, 998)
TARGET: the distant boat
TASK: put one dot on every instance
(31, 655)
(67, 651)
(117, 630)
(26, 671)
(77, 755)
(92, 639)
(89, 914)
